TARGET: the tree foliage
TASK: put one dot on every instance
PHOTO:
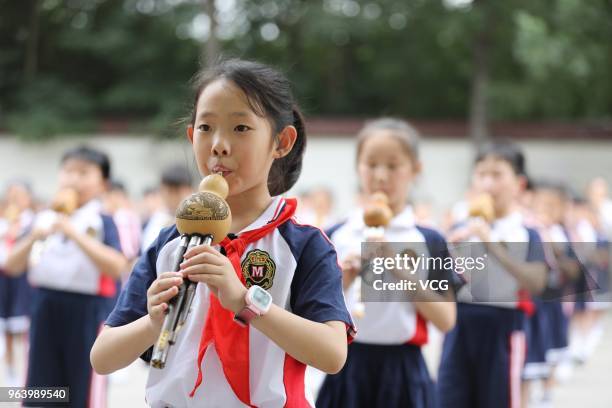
(66, 64)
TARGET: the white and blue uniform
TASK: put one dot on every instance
(559, 287)
(306, 280)
(69, 305)
(547, 328)
(592, 288)
(483, 356)
(385, 366)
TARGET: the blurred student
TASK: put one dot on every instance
(599, 198)
(547, 328)
(72, 255)
(150, 202)
(483, 356)
(117, 203)
(592, 297)
(385, 366)
(15, 292)
(176, 184)
(316, 207)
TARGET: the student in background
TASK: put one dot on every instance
(385, 366)
(176, 184)
(117, 203)
(73, 258)
(483, 356)
(15, 292)
(547, 328)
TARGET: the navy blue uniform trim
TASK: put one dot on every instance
(332, 230)
(438, 248)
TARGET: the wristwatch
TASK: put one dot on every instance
(258, 302)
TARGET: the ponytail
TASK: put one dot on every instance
(286, 170)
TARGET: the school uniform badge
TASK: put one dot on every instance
(258, 269)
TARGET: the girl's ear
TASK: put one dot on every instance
(522, 183)
(417, 167)
(190, 133)
(286, 140)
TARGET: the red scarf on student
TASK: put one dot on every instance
(230, 339)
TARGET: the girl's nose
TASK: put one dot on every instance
(220, 146)
(489, 185)
(380, 173)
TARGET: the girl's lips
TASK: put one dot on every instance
(221, 170)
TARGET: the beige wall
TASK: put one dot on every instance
(329, 161)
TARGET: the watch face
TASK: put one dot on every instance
(260, 297)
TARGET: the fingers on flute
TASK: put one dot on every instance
(158, 303)
(167, 294)
(159, 310)
(200, 249)
(202, 258)
(210, 279)
(162, 284)
(169, 275)
(202, 269)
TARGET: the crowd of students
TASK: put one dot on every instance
(88, 276)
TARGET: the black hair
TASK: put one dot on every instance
(558, 187)
(176, 176)
(505, 150)
(90, 155)
(150, 190)
(269, 95)
(529, 184)
(116, 185)
(576, 197)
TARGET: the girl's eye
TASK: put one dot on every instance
(204, 128)
(242, 128)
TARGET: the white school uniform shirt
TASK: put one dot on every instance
(495, 286)
(557, 237)
(605, 216)
(58, 263)
(158, 221)
(389, 322)
(307, 281)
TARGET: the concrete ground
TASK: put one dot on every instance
(589, 386)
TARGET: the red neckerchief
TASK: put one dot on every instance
(230, 339)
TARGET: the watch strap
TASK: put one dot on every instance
(245, 316)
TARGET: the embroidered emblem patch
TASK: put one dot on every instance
(258, 269)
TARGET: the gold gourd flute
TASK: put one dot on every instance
(203, 218)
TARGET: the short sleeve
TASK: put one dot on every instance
(332, 230)
(316, 290)
(132, 302)
(442, 271)
(111, 234)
